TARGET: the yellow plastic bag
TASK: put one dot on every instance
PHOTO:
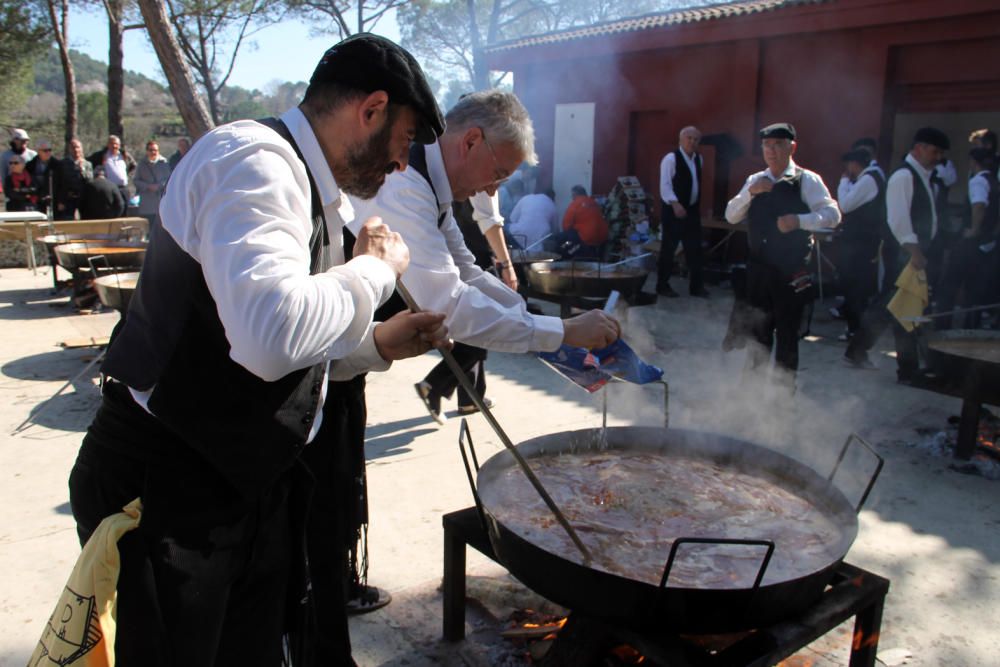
(81, 630)
(911, 298)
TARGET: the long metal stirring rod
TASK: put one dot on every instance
(467, 385)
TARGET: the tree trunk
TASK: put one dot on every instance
(480, 74)
(161, 34)
(60, 26)
(116, 70)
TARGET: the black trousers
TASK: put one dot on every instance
(443, 382)
(776, 315)
(339, 508)
(971, 278)
(857, 265)
(205, 577)
(877, 318)
(676, 230)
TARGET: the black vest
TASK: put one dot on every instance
(250, 429)
(921, 208)
(864, 224)
(788, 253)
(682, 182)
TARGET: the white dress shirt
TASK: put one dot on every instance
(823, 214)
(239, 204)
(851, 196)
(532, 220)
(899, 196)
(115, 169)
(947, 173)
(979, 188)
(443, 276)
(668, 169)
(486, 210)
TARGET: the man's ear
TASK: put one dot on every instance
(372, 109)
(470, 138)
(794, 146)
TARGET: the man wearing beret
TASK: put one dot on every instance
(914, 224)
(861, 197)
(781, 205)
(217, 403)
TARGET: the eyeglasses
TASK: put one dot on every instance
(499, 175)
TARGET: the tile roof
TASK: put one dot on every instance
(649, 21)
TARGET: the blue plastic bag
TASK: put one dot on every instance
(594, 368)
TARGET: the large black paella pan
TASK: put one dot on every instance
(691, 531)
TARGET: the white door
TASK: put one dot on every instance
(573, 155)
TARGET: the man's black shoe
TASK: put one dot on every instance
(667, 291)
(431, 401)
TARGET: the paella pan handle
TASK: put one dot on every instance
(720, 540)
(93, 269)
(854, 437)
(465, 434)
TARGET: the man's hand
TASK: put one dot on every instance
(761, 185)
(377, 240)
(593, 329)
(917, 258)
(407, 334)
(508, 277)
(679, 211)
(788, 223)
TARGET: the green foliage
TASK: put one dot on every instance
(49, 74)
(23, 36)
(92, 114)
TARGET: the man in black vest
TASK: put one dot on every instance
(216, 405)
(489, 134)
(973, 268)
(912, 218)
(781, 205)
(861, 196)
(680, 213)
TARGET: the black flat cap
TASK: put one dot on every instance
(778, 131)
(932, 136)
(859, 155)
(369, 62)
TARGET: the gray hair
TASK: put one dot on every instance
(501, 116)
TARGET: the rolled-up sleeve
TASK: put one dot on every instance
(738, 206)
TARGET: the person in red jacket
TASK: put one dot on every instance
(584, 227)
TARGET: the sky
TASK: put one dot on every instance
(283, 52)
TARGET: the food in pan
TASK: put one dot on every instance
(629, 506)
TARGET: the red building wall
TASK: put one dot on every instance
(835, 78)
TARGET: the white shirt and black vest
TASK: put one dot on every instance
(680, 184)
(796, 191)
(236, 323)
(862, 204)
(909, 202)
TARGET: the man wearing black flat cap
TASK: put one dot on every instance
(914, 223)
(861, 197)
(781, 205)
(218, 407)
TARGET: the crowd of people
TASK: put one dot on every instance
(92, 187)
(899, 231)
(233, 394)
